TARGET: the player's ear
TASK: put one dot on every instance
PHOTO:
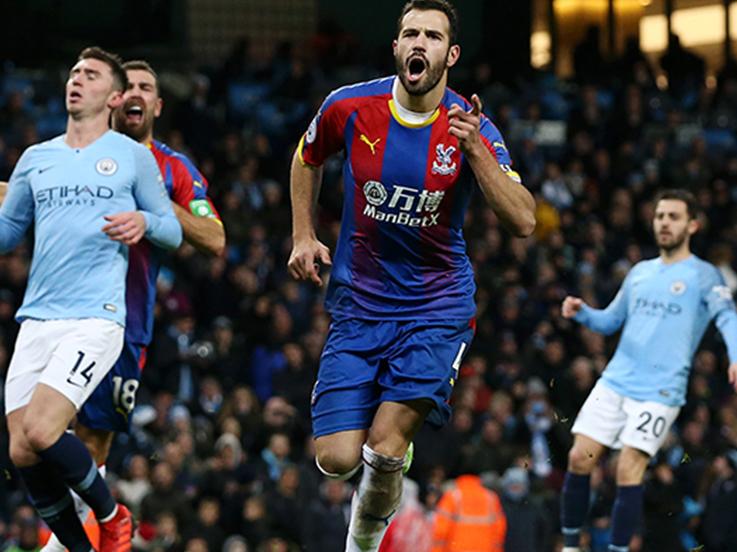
(454, 52)
(159, 107)
(115, 100)
(394, 46)
(694, 225)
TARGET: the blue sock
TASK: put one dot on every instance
(54, 504)
(72, 460)
(574, 507)
(626, 516)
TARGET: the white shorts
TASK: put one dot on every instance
(70, 355)
(613, 420)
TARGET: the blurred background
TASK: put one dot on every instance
(602, 102)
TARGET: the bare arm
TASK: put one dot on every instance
(3, 190)
(304, 185)
(512, 203)
(206, 234)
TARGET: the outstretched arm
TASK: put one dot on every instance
(605, 321)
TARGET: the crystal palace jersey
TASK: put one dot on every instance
(187, 188)
(401, 253)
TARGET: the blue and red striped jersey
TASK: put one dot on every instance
(401, 253)
(187, 188)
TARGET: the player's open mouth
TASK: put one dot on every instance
(134, 114)
(74, 95)
(416, 68)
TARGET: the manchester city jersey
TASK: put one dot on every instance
(77, 271)
(401, 253)
(665, 310)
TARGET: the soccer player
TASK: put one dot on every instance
(81, 191)
(108, 409)
(664, 307)
(401, 290)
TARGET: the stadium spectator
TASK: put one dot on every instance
(528, 526)
(469, 517)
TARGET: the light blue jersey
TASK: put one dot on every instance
(665, 309)
(77, 271)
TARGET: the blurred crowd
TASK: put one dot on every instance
(220, 455)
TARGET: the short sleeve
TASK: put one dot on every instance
(494, 141)
(324, 136)
(189, 189)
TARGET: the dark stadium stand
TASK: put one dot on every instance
(220, 457)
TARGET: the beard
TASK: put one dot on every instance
(672, 242)
(431, 78)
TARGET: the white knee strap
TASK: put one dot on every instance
(339, 476)
(381, 462)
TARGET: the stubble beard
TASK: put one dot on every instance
(676, 243)
(430, 80)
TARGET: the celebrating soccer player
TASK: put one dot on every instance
(401, 292)
(81, 190)
(108, 409)
(665, 305)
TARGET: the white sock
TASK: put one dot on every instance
(571, 549)
(83, 511)
(375, 502)
(53, 545)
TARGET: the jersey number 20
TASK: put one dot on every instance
(657, 426)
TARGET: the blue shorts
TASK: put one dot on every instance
(111, 403)
(367, 362)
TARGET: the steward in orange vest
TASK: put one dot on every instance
(469, 518)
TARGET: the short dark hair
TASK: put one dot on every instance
(142, 65)
(120, 79)
(679, 194)
(439, 5)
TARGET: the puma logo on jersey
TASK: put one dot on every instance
(369, 143)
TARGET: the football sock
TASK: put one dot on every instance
(375, 502)
(574, 507)
(54, 504)
(54, 544)
(626, 515)
(72, 460)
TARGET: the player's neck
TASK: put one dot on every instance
(676, 255)
(82, 132)
(426, 102)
